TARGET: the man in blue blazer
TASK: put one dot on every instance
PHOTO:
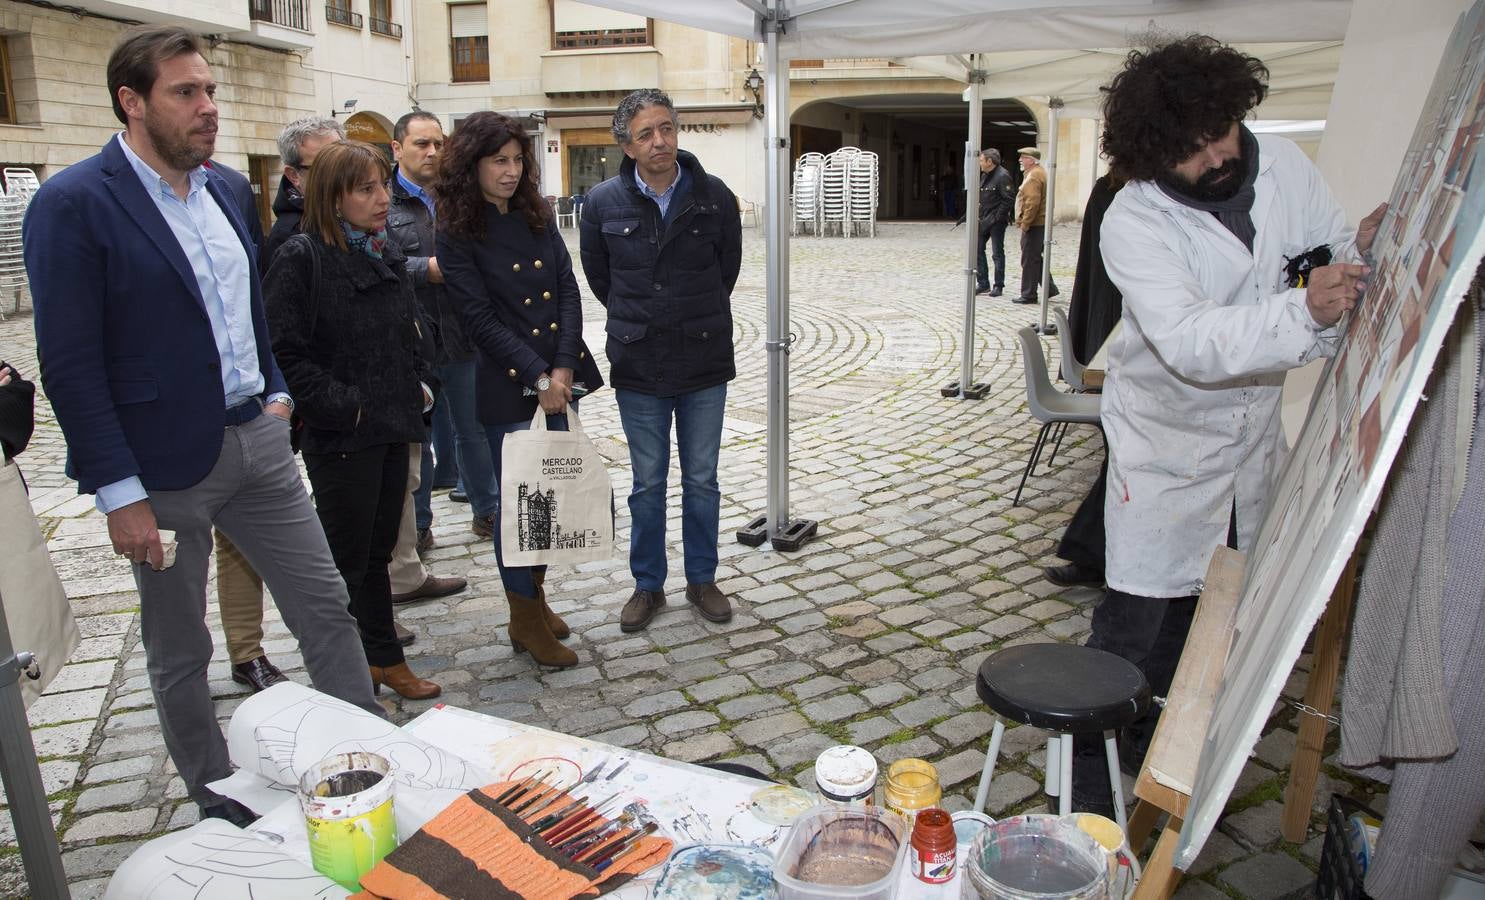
(156, 358)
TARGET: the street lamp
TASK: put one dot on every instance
(753, 83)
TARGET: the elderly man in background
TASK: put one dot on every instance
(1031, 218)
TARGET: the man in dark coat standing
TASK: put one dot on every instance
(997, 205)
(298, 143)
(661, 248)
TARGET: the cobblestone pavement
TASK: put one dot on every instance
(869, 635)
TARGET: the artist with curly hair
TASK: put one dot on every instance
(510, 276)
(1197, 243)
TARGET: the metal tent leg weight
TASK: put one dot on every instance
(791, 537)
(754, 533)
(978, 390)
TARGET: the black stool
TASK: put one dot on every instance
(1067, 689)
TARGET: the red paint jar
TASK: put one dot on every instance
(932, 848)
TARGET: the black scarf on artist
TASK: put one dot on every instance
(1234, 212)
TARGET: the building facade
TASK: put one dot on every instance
(274, 60)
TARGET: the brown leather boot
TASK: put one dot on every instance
(560, 631)
(402, 680)
(529, 632)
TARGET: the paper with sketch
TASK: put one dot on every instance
(217, 859)
(284, 730)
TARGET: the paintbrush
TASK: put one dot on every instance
(516, 789)
(571, 812)
(596, 850)
(547, 792)
(582, 826)
(606, 858)
(594, 831)
(534, 784)
(550, 801)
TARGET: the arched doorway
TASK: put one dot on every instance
(372, 128)
(919, 139)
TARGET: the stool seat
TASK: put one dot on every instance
(1065, 688)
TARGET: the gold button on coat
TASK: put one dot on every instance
(554, 326)
(535, 332)
(515, 267)
(536, 262)
(582, 354)
(546, 295)
(528, 301)
(512, 373)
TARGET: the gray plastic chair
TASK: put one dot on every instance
(1050, 406)
(1072, 370)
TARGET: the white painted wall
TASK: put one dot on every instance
(1387, 66)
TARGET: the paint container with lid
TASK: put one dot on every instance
(846, 775)
(932, 850)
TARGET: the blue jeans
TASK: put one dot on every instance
(516, 579)
(996, 237)
(698, 427)
(423, 496)
(476, 469)
(446, 466)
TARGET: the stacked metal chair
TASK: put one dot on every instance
(807, 195)
(861, 191)
(15, 288)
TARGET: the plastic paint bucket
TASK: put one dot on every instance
(347, 803)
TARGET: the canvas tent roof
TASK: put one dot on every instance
(871, 28)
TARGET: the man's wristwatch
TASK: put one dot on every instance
(543, 383)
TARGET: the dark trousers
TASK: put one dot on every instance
(359, 497)
(1151, 633)
(1083, 540)
(1031, 263)
(995, 235)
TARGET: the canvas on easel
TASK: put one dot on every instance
(1424, 258)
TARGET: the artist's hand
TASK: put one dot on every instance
(5, 373)
(279, 409)
(134, 535)
(1366, 232)
(555, 398)
(1333, 290)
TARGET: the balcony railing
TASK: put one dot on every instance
(291, 14)
(341, 15)
(382, 26)
(288, 13)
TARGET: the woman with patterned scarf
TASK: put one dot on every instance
(346, 333)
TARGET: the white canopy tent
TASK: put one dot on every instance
(962, 33)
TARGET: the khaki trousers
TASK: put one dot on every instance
(406, 570)
(240, 600)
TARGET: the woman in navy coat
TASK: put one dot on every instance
(510, 276)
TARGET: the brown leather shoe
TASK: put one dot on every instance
(405, 637)
(560, 631)
(640, 609)
(258, 674)
(483, 526)
(425, 540)
(432, 586)
(402, 680)
(710, 602)
(529, 633)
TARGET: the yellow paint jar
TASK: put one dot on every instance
(912, 784)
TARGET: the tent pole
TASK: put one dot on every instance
(966, 388)
(782, 531)
(1054, 113)
(29, 813)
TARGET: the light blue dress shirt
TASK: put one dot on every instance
(415, 191)
(224, 276)
(662, 200)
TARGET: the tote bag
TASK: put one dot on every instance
(36, 609)
(556, 502)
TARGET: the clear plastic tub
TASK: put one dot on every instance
(1035, 858)
(833, 852)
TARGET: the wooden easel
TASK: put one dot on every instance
(1164, 784)
(1165, 780)
(1309, 745)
